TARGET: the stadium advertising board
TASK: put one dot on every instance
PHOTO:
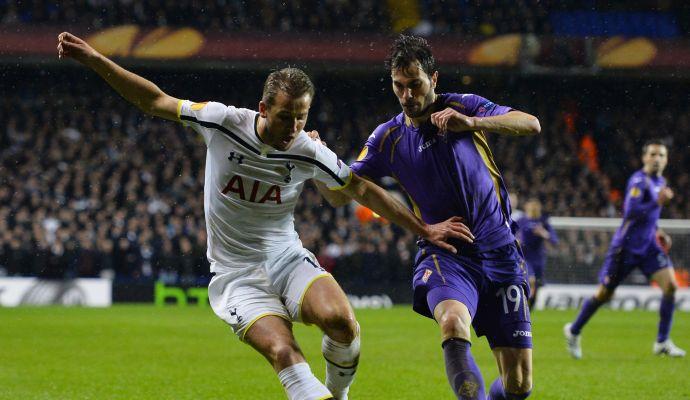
(198, 296)
(164, 43)
(562, 297)
(89, 292)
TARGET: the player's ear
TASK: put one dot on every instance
(263, 109)
(434, 79)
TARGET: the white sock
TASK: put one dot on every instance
(341, 364)
(301, 384)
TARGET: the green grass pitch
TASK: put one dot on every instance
(144, 352)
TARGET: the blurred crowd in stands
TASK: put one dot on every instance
(659, 17)
(89, 186)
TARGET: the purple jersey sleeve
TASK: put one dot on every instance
(640, 200)
(553, 237)
(371, 162)
(478, 106)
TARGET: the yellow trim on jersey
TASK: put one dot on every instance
(485, 152)
(306, 288)
(363, 153)
(415, 207)
(438, 268)
(179, 108)
(347, 182)
(245, 330)
(395, 143)
(457, 104)
(328, 396)
(385, 136)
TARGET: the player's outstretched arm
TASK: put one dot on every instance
(377, 199)
(513, 123)
(142, 93)
(334, 197)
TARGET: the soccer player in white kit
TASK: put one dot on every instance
(256, 165)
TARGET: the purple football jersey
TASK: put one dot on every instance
(445, 175)
(641, 212)
(533, 245)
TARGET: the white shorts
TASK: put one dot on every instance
(241, 296)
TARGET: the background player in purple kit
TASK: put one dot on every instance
(437, 150)
(535, 230)
(635, 246)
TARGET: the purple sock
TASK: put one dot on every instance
(463, 375)
(498, 393)
(590, 306)
(666, 317)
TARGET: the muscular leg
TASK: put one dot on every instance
(272, 337)
(590, 306)
(515, 368)
(532, 291)
(667, 282)
(454, 319)
(571, 331)
(326, 306)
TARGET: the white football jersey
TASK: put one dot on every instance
(250, 188)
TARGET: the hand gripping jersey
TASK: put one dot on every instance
(250, 188)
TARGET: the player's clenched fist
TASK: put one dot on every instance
(74, 47)
(665, 196)
(451, 120)
(314, 135)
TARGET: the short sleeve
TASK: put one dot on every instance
(371, 162)
(478, 106)
(206, 117)
(330, 169)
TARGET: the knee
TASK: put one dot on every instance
(518, 384)
(453, 325)
(340, 325)
(670, 289)
(603, 295)
(283, 354)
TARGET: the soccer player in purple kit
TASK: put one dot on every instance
(534, 231)
(635, 246)
(437, 150)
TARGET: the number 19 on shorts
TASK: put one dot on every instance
(512, 294)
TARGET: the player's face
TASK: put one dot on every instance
(285, 119)
(414, 89)
(655, 159)
(533, 209)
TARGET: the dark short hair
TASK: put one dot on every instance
(650, 142)
(406, 49)
(292, 81)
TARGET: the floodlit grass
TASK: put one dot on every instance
(144, 352)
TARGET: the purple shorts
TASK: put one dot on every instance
(535, 268)
(620, 262)
(491, 284)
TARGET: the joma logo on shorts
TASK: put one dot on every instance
(522, 333)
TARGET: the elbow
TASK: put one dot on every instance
(533, 126)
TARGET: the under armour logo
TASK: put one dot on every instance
(239, 157)
(289, 167)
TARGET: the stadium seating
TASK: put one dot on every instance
(91, 186)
